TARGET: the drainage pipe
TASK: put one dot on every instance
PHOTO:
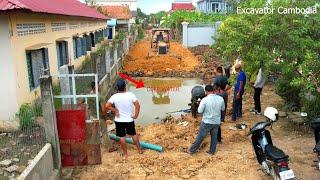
(142, 143)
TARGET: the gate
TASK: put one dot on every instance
(79, 133)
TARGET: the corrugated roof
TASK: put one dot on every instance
(182, 6)
(116, 12)
(62, 7)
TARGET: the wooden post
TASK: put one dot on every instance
(50, 120)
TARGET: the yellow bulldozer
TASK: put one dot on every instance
(160, 41)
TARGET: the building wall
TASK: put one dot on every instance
(21, 43)
(8, 91)
(133, 4)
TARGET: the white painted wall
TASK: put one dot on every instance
(199, 35)
(8, 95)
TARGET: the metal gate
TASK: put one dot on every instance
(79, 134)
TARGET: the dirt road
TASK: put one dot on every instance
(234, 159)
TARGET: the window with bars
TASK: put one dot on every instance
(79, 46)
(58, 26)
(38, 64)
(73, 25)
(215, 7)
(30, 28)
(62, 53)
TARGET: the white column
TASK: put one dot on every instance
(185, 34)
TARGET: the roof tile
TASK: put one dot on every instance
(62, 7)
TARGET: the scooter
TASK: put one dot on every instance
(315, 124)
(274, 161)
(197, 94)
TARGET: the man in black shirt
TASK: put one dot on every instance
(223, 85)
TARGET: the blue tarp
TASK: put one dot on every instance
(112, 22)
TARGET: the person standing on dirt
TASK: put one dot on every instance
(258, 86)
(238, 92)
(210, 107)
(126, 109)
(222, 85)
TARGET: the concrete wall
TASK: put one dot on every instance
(8, 92)
(202, 34)
(16, 60)
(41, 166)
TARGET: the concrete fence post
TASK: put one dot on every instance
(65, 82)
(50, 120)
(185, 34)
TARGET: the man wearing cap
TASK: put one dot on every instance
(126, 109)
(238, 93)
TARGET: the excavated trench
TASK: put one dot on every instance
(161, 96)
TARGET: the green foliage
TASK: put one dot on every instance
(37, 107)
(26, 116)
(285, 45)
(121, 35)
(140, 33)
(175, 19)
(311, 105)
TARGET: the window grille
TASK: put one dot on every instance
(73, 25)
(58, 26)
(30, 28)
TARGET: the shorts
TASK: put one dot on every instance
(124, 128)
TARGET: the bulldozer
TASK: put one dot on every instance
(160, 41)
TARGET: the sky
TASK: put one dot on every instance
(153, 6)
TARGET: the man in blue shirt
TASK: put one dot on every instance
(238, 93)
(210, 107)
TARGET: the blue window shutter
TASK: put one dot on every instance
(58, 54)
(66, 52)
(83, 46)
(75, 48)
(46, 66)
(78, 47)
(30, 72)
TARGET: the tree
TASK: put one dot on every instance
(286, 45)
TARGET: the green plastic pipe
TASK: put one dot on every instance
(142, 143)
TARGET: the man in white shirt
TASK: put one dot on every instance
(126, 109)
(258, 86)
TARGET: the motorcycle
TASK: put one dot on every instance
(273, 161)
(315, 124)
(197, 94)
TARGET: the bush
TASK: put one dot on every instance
(26, 116)
(311, 106)
(288, 92)
(140, 33)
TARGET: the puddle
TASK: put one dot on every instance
(163, 95)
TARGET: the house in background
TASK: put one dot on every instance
(120, 14)
(41, 36)
(213, 6)
(132, 4)
(182, 5)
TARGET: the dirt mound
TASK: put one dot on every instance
(200, 50)
(178, 59)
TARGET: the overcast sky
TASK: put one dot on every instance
(153, 6)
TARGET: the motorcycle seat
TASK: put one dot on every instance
(274, 153)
